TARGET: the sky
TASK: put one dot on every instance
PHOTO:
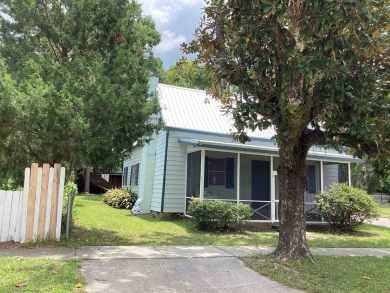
(176, 21)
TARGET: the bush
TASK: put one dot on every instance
(219, 215)
(67, 190)
(120, 198)
(345, 207)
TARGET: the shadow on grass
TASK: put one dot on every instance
(81, 236)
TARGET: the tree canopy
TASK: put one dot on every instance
(81, 71)
(187, 73)
(315, 70)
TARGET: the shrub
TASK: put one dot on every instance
(219, 215)
(120, 198)
(67, 191)
(345, 207)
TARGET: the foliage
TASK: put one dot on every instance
(365, 177)
(120, 198)
(69, 188)
(344, 207)
(186, 73)
(212, 215)
(317, 78)
(359, 273)
(79, 86)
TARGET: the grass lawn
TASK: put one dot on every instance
(384, 210)
(328, 274)
(39, 275)
(100, 224)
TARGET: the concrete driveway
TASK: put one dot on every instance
(172, 269)
(218, 274)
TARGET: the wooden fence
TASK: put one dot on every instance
(34, 213)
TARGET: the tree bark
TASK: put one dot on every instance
(87, 179)
(292, 221)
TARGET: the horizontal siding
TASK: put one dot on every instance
(158, 172)
(135, 158)
(175, 175)
(331, 175)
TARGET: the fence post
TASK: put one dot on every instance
(24, 205)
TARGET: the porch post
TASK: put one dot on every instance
(272, 189)
(238, 176)
(349, 174)
(322, 175)
(202, 167)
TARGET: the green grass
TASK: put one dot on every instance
(328, 274)
(38, 275)
(384, 210)
(100, 224)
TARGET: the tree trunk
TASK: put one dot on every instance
(87, 179)
(292, 221)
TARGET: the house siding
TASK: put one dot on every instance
(134, 159)
(175, 176)
(158, 174)
(331, 175)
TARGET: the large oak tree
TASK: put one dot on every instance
(315, 70)
(81, 68)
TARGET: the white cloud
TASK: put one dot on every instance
(169, 41)
(163, 12)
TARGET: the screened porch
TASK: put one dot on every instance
(252, 179)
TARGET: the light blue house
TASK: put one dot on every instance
(194, 156)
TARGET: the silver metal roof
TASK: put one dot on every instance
(184, 108)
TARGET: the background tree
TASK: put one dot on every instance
(187, 73)
(314, 70)
(81, 69)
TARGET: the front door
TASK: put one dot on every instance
(261, 190)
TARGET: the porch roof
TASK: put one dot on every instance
(238, 147)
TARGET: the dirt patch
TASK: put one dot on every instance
(10, 245)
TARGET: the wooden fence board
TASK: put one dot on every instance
(37, 204)
(6, 216)
(14, 214)
(18, 225)
(31, 202)
(2, 202)
(60, 203)
(43, 203)
(48, 206)
(54, 201)
(23, 223)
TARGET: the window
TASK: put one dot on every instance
(134, 175)
(125, 174)
(217, 171)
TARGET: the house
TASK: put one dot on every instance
(194, 156)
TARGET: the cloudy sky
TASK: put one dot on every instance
(176, 21)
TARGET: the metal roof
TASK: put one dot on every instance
(191, 109)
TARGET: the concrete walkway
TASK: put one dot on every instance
(171, 252)
(384, 222)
